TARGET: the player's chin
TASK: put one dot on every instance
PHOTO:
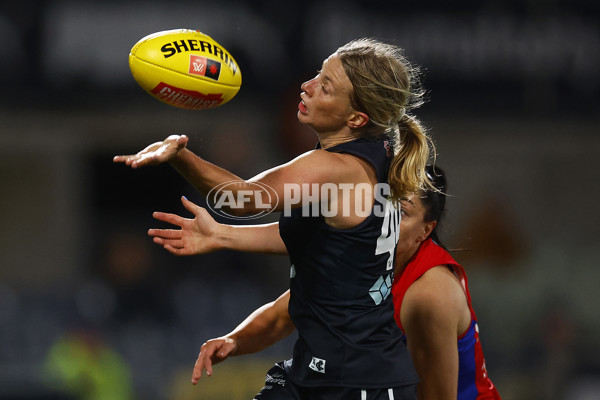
(303, 118)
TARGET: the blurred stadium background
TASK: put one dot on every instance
(91, 309)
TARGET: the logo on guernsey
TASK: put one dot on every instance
(317, 364)
(204, 67)
(381, 289)
(188, 98)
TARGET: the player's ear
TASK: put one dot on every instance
(357, 119)
(427, 229)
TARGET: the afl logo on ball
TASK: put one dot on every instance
(205, 67)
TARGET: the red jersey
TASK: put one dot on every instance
(473, 380)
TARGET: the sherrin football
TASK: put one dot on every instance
(185, 68)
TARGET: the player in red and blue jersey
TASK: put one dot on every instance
(433, 304)
(473, 381)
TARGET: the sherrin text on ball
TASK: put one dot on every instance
(185, 68)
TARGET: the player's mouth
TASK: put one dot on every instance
(302, 107)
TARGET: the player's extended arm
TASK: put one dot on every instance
(202, 234)
(264, 327)
(173, 150)
(268, 189)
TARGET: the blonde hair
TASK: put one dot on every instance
(386, 88)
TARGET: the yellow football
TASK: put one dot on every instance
(185, 68)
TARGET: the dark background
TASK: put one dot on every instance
(89, 305)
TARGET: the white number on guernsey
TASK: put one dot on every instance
(386, 243)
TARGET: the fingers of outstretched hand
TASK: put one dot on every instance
(191, 206)
(141, 160)
(165, 234)
(127, 159)
(212, 352)
(170, 239)
(179, 250)
(201, 217)
(204, 361)
(181, 140)
(137, 160)
(172, 219)
(172, 243)
(198, 368)
(154, 153)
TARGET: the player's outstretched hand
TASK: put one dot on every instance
(212, 352)
(156, 153)
(196, 236)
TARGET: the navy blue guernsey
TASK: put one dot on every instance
(340, 288)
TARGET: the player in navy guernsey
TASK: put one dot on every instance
(340, 285)
(441, 330)
(342, 260)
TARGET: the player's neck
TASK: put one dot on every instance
(331, 140)
(403, 258)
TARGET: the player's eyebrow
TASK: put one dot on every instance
(408, 200)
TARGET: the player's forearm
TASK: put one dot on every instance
(200, 173)
(238, 196)
(252, 238)
(256, 333)
(264, 327)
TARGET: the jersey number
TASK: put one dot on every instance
(386, 243)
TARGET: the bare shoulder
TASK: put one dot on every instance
(437, 295)
(339, 159)
(334, 165)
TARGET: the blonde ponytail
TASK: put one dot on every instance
(386, 86)
(413, 150)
